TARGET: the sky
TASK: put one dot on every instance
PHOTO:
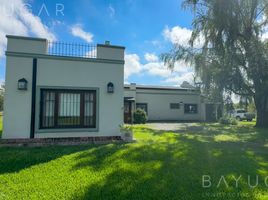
(146, 28)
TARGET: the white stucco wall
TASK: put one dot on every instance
(110, 52)
(17, 104)
(130, 93)
(34, 45)
(66, 73)
(86, 75)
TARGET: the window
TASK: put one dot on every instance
(68, 109)
(190, 108)
(142, 106)
(174, 105)
(241, 111)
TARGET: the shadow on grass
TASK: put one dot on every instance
(14, 159)
(174, 169)
(161, 165)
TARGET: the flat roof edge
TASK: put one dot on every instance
(161, 88)
(26, 38)
(98, 60)
(111, 46)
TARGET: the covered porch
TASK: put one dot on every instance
(129, 108)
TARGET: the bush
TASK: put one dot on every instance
(140, 116)
(228, 121)
(234, 121)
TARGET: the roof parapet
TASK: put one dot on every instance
(110, 52)
(20, 44)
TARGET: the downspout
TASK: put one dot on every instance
(33, 98)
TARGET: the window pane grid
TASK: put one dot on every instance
(68, 109)
(89, 109)
(48, 109)
(190, 108)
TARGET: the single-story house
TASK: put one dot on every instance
(164, 103)
(62, 90)
(55, 90)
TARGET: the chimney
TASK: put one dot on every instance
(133, 86)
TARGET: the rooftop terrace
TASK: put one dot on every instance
(40, 46)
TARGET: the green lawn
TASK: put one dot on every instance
(160, 165)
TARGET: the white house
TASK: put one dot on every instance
(164, 103)
(49, 94)
(72, 90)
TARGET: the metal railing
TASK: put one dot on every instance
(72, 49)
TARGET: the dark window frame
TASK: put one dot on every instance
(174, 106)
(186, 111)
(143, 104)
(82, 123)
(241, 111)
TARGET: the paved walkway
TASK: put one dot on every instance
(176, 126)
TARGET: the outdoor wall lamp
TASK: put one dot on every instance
(22, 84)
(110, 87)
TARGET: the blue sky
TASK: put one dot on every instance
(146, 28)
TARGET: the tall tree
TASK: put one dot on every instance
(234, 54)
(2, 91)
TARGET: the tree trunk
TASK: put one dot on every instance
(261, 103)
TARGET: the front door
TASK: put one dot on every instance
(210, 113)
(127, 112)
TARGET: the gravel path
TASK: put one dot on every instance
(176, 126)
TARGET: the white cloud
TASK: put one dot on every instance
(177, 80)
(111, 11)
(78, 31)
(150, 57)
(177, 35)
(265, 35)
(132, 65)
(181, 67)
(181, 36)
(182, 71)
(91, 54)
(156, 69)
(16, 19)
(160, 69)
(262, 20)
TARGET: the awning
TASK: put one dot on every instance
(129, 99)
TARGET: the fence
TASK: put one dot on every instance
(72, 49)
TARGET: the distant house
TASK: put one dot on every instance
(162, 103)
(74, 90)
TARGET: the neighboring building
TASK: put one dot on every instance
(164, 103)
(49, 94)
(66, 90)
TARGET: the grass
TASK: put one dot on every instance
(160, 165)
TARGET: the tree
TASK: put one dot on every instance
(229, 105)
(234, 54)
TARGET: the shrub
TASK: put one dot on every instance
(228, 121)
(233, 121)
(140, 116)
